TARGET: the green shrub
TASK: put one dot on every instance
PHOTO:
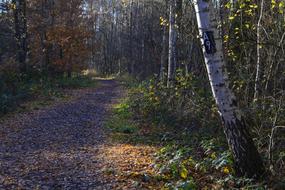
(186, 103)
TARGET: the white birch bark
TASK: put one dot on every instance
(172, 43)
(215, 63)
(247, 159)
(258, 48)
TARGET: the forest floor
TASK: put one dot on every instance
(91, 140)
(64, 146)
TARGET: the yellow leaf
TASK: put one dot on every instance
(254, 6)
(231, 18)
(184, 173)
(228, 5)
(226, 170)
(273, 4)
(242, 6)
(226, 38)
(213, 155)
(12, 6)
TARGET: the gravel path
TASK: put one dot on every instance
(57, 147)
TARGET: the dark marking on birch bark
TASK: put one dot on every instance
(209, 42)
(220, 85)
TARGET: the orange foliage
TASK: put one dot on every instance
(59, 36)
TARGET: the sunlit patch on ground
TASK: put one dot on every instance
(130, 166)
(89, 72)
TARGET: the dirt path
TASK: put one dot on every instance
(57, 147)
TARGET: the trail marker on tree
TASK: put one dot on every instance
(209, 42)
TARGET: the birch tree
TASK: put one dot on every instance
(247, 159)
(258, 48)
(172, 43)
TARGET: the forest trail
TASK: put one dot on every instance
(57, 147)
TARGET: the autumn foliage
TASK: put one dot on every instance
(60, 37)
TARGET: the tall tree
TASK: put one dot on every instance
(257, 86)
(20, 21)
(163, 53)
(247, 159)
(172, 59)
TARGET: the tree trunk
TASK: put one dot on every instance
(257, 86)
(172, 43)
(131, 66)
(163, 54)
(21, 32)
(247, 159)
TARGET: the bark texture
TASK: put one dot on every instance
(21, 32)
(257, 86)
(247, 159)
(172, 43)
(163, 54)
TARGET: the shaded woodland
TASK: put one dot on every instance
(167, 51)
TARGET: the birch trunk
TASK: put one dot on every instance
(172, 43)
(257, 86)
(247, 159)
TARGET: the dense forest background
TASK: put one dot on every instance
(156, 41)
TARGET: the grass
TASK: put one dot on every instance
(119, 122)
(125, 129)
(34, 94)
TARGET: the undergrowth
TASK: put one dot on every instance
(183, 124)
(185, 159)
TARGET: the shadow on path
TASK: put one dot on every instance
(57, 147)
